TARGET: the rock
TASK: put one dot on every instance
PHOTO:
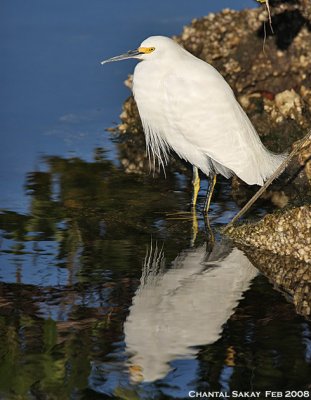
(288, 104)
(130, 118)
(285, 234)
(304, 161)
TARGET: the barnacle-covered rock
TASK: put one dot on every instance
(287, 104)
(286, 234)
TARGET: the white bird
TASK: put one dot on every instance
(186, 105)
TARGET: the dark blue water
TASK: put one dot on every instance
(108, 286)
(55, 96)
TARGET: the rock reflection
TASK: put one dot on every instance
(291, 276)
(175, 310)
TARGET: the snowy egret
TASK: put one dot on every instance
(186, 105)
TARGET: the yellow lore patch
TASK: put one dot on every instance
(146, 50)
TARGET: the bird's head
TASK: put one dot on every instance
(152, 48)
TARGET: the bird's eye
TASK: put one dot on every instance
(150, 49)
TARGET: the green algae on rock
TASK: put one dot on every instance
(286, 234)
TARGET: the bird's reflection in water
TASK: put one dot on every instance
(175, 310)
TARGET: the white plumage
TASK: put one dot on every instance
(186, 105)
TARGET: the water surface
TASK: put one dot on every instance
(109, 287)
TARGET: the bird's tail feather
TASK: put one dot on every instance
(272, 164)
(263, 161)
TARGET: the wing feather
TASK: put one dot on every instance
(202, 109)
